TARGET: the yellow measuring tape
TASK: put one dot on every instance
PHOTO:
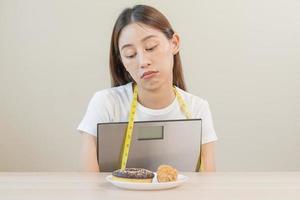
(129, 130)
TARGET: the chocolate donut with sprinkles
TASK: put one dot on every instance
(137, 175)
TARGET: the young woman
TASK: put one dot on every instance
(144, 52)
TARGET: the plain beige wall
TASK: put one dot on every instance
(242, 56)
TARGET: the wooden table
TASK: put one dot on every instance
(220, 185)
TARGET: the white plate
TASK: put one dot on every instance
(148, 186)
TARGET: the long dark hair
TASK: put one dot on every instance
(153, 18)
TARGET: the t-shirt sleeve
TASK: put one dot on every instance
(98, 111)
(208, 131)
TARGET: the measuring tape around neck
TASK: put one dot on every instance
(129, 130)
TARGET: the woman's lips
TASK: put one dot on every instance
(148, 74)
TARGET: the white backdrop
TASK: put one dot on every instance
(242, 56)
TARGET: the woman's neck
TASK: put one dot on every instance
(158, 98)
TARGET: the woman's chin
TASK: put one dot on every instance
(151, 85)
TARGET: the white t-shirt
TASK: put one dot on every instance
(113, 105)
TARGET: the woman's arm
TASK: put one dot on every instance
(208, 157)
(89, 161)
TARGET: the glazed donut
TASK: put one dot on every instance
(138, 175)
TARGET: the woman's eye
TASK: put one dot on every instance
(130, 56)
(152, 48)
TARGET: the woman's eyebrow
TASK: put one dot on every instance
(144, 39)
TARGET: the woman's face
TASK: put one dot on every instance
(148, 55)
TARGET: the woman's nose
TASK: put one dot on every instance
(144, 60)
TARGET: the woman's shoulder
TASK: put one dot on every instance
(122, 92)
(191, 98)
(194, 102)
